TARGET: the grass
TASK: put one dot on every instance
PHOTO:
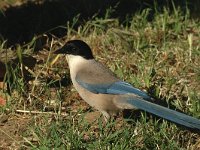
(160, 56)
(81, 135)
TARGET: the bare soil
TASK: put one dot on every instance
(12, 127)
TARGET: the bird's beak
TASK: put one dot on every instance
(60, 51)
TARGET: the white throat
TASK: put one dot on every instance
(75, 61)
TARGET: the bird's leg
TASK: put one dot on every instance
(106, 116)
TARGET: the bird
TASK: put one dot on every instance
(103, 90)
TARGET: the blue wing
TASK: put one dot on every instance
(119, 87)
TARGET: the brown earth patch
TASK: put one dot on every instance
(12, 128)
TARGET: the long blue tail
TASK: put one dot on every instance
(164, 112)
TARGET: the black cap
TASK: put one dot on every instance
(76, 47)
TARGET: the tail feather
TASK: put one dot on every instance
(164, 112)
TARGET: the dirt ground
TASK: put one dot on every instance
(12, 128)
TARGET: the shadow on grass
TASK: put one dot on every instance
(19, 24)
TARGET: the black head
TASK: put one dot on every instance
(76, 47)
